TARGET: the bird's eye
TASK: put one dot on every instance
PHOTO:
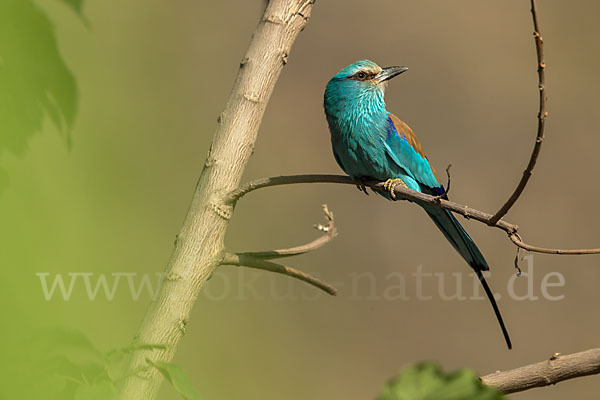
(361, 75)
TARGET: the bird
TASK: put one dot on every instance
(370, 143)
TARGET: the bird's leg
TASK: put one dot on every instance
(390, 184)
(360, 185)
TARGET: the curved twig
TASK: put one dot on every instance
(251, 186)
(542, 114)
(330, 232)
(246, 260)
(578, 252)
(556, 369)
(258, 259)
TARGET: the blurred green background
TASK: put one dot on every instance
(152, 76)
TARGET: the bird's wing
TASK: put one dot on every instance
(404, 149)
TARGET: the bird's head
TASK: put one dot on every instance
(359, 82)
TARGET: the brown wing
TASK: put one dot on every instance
(411, 138)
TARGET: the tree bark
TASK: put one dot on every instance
(199, 247)
(556, 369)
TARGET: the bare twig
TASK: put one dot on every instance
(246, 260)
(251, 186)
(556, 369)
(258, 259)
(517, 241)
(542, 114)
(517, 257)
(330, 232)
(403, 193)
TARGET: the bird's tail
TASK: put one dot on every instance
(462, 242)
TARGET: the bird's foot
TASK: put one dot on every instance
(360, 185)
(390, 184)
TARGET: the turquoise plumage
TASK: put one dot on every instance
(371, 143)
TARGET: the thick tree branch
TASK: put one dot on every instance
(542, 114)
(199, 248)
(556, 369)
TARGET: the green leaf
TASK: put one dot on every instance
(47, 386)
(178, 379)
(103, 390)
(35, 81)
(115, 359)
(427, 381)
(66, 342)
(76, 5)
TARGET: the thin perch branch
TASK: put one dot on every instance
(542, 114)
(246, 260)
(516, 239)
(403, 193)
(251, 186)
(556, 369)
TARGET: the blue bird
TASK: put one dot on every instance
(371, 143)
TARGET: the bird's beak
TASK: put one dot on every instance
(389, 73)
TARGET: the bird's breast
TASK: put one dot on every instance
(358, 143)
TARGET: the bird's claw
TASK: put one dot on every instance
(360, 185)
(390, 184)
